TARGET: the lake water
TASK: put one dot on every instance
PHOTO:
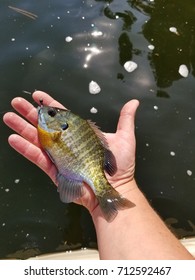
(60, 49)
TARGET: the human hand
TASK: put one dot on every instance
(121, 143)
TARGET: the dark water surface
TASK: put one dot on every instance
(105, 34)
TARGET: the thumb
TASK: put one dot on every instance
(127, 116)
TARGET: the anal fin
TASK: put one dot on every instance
(69, 189)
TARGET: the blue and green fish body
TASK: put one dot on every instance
(80, 153)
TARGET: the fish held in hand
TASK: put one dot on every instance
(81, 154)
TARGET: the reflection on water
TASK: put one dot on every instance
(178, 47)
(68, 45)
(181, 226)
(92, 51)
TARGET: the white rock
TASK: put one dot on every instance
(189, 172)
(94, 88)
(16, 181)
(68, 39)
(151, 47)
(173, 30)
(93, 110)
(130, 66)
(183, 70)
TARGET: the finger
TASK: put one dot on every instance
(88, 199)
(46, 98)
(26, 109)
(127, 117)
(22, 127)
(34, 154)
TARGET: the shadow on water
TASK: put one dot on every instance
(105, 34)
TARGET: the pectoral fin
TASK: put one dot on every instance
(69, 189)
(110, 163)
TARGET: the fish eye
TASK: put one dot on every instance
(51, 112)
(64, 126)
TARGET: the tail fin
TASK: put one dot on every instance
(111, 202)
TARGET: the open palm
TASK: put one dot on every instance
(121, 143)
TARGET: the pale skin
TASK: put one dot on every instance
(136, 233)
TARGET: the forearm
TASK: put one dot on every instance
(137, 233)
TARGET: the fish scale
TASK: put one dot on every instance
(80, 153)
(80, 147)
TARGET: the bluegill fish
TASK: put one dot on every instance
(81, 154)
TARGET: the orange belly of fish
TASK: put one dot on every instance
(45, 138)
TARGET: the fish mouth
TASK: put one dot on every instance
(38, 109)
(40, 113)
(41, 119)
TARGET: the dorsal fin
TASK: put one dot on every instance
(99, 133)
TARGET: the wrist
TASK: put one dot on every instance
(128, 190)
(135, 228)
